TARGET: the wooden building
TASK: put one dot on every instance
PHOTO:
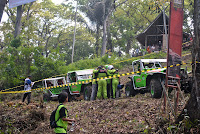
(155, 32)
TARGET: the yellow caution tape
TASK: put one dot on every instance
(97, 79)
(83, 82)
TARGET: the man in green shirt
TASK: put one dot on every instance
(61, 115)
(102, 84)
(109, 81)
(115, 82)
(94, 85)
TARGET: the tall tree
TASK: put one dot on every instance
(93, 10)
(108, 8)
(98, 11)
(105, 10)
(130, 19)
(2, 6)
(18, 21)
(193, 105)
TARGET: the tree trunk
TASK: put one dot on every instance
(110, 46)
(193, 105)
(97, 40)
(28, 65)
(128, 47)
(46, 46)
(18, 21)
(2, 6)
(103, 50)
(107, 10)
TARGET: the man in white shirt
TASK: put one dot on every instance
(153, 48)
(27, 87)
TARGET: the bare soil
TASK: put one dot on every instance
(137, 114)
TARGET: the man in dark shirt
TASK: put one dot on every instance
(61, 115)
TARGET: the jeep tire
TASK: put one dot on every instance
(155, 88)
(46, 97)
(69, 95)
(118, 93)
(129, 90)
(87, 92)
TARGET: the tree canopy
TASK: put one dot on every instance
(44, 45)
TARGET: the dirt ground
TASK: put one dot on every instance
(138, 114)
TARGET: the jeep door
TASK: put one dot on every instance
(74, 87)
(140, 76)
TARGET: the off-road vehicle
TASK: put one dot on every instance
(54, 86)
(82, 85)
(78, 85)
(149, 76)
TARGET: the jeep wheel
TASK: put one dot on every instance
(142, 91)
(118, 93)
(69, 95)
(87, 92)
(155, 88)
(129, 90)
(46, 97)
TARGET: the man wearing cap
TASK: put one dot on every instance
(27, 87)
(102, 84)
(109, 87)
(114, 81)
(94, 84)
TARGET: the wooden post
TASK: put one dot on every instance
(146, 42)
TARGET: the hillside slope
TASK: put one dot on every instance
(139, 114)
(125, 115)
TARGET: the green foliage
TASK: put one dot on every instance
(184, 126)
(172, 128)
(45, 45)
(15, 42)
(130, 19)
(188, 16)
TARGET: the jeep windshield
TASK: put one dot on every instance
(74, 76)
(83, 77)
(54, 81)
(141, 64)
(84, 74)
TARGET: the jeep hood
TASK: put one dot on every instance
(157, 70)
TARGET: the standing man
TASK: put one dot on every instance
(148, 50)
(110, 72)
(115, 82)
(94, 85)
(102, 84)
(137, 52)
(27, 87)
(153, 48)
(109, 88)
(159, 45)
(61, 116)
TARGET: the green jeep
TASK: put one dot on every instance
(78, 84)
(54, 86)
(149, 74)
(84, 84)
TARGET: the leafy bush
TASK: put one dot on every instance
(15, 42)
